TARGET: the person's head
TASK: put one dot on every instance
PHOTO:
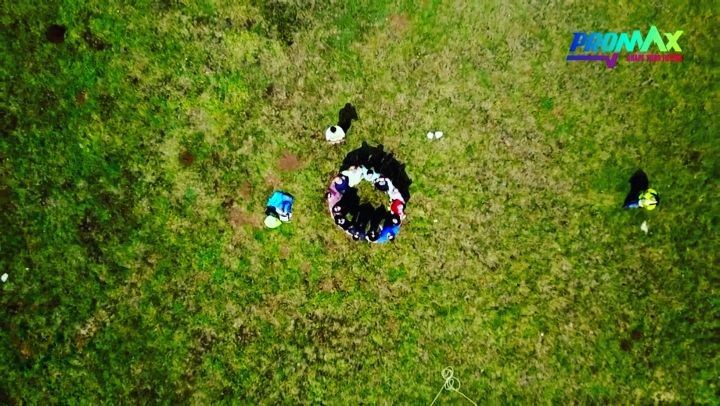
(342, 222)
(372, 235)
(341, 183)
(341, 179)
(398, 207)
(395, 219)
(358, 234)
(381, 184)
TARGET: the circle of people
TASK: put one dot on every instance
(363, 221)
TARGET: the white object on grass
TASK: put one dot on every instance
(644, 227)
(438, 135)
(430, 135)
(4, 277)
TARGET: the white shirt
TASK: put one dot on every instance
(336, 136)
(355, 174)
(393, 192)
(371, 176)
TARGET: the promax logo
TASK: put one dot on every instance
(613, 43)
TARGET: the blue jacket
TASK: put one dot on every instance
(388, 233)
(280, 205)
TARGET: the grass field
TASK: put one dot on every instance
(136, 157)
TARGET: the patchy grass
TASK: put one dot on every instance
(138, 146)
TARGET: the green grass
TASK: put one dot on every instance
(136, 157)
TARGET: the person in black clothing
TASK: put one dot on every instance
(359, 225)
(377, 219)
(348, 204)
(342, 222)
(402, 182)
(336, 133)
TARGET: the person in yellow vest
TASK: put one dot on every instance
(641, 195)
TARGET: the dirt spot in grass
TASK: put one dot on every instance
(186, 158)
(399, 22)
(625, 345)
(56, 33)
(245, 190)
(81, 97)
(284, 252)
(239, 217)
(289, 162)
(272, 180)
(328, 285)
(637, 335)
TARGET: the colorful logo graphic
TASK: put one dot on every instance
(612, 43)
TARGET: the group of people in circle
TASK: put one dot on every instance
(363, 221)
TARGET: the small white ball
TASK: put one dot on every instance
(438, 135)
(430, 135)
(4, 277)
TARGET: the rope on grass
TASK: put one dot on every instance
(451, 383)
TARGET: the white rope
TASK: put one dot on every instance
(451, 383)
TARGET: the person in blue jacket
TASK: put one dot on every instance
(278, 209)
(388, 233)
(390, 228)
